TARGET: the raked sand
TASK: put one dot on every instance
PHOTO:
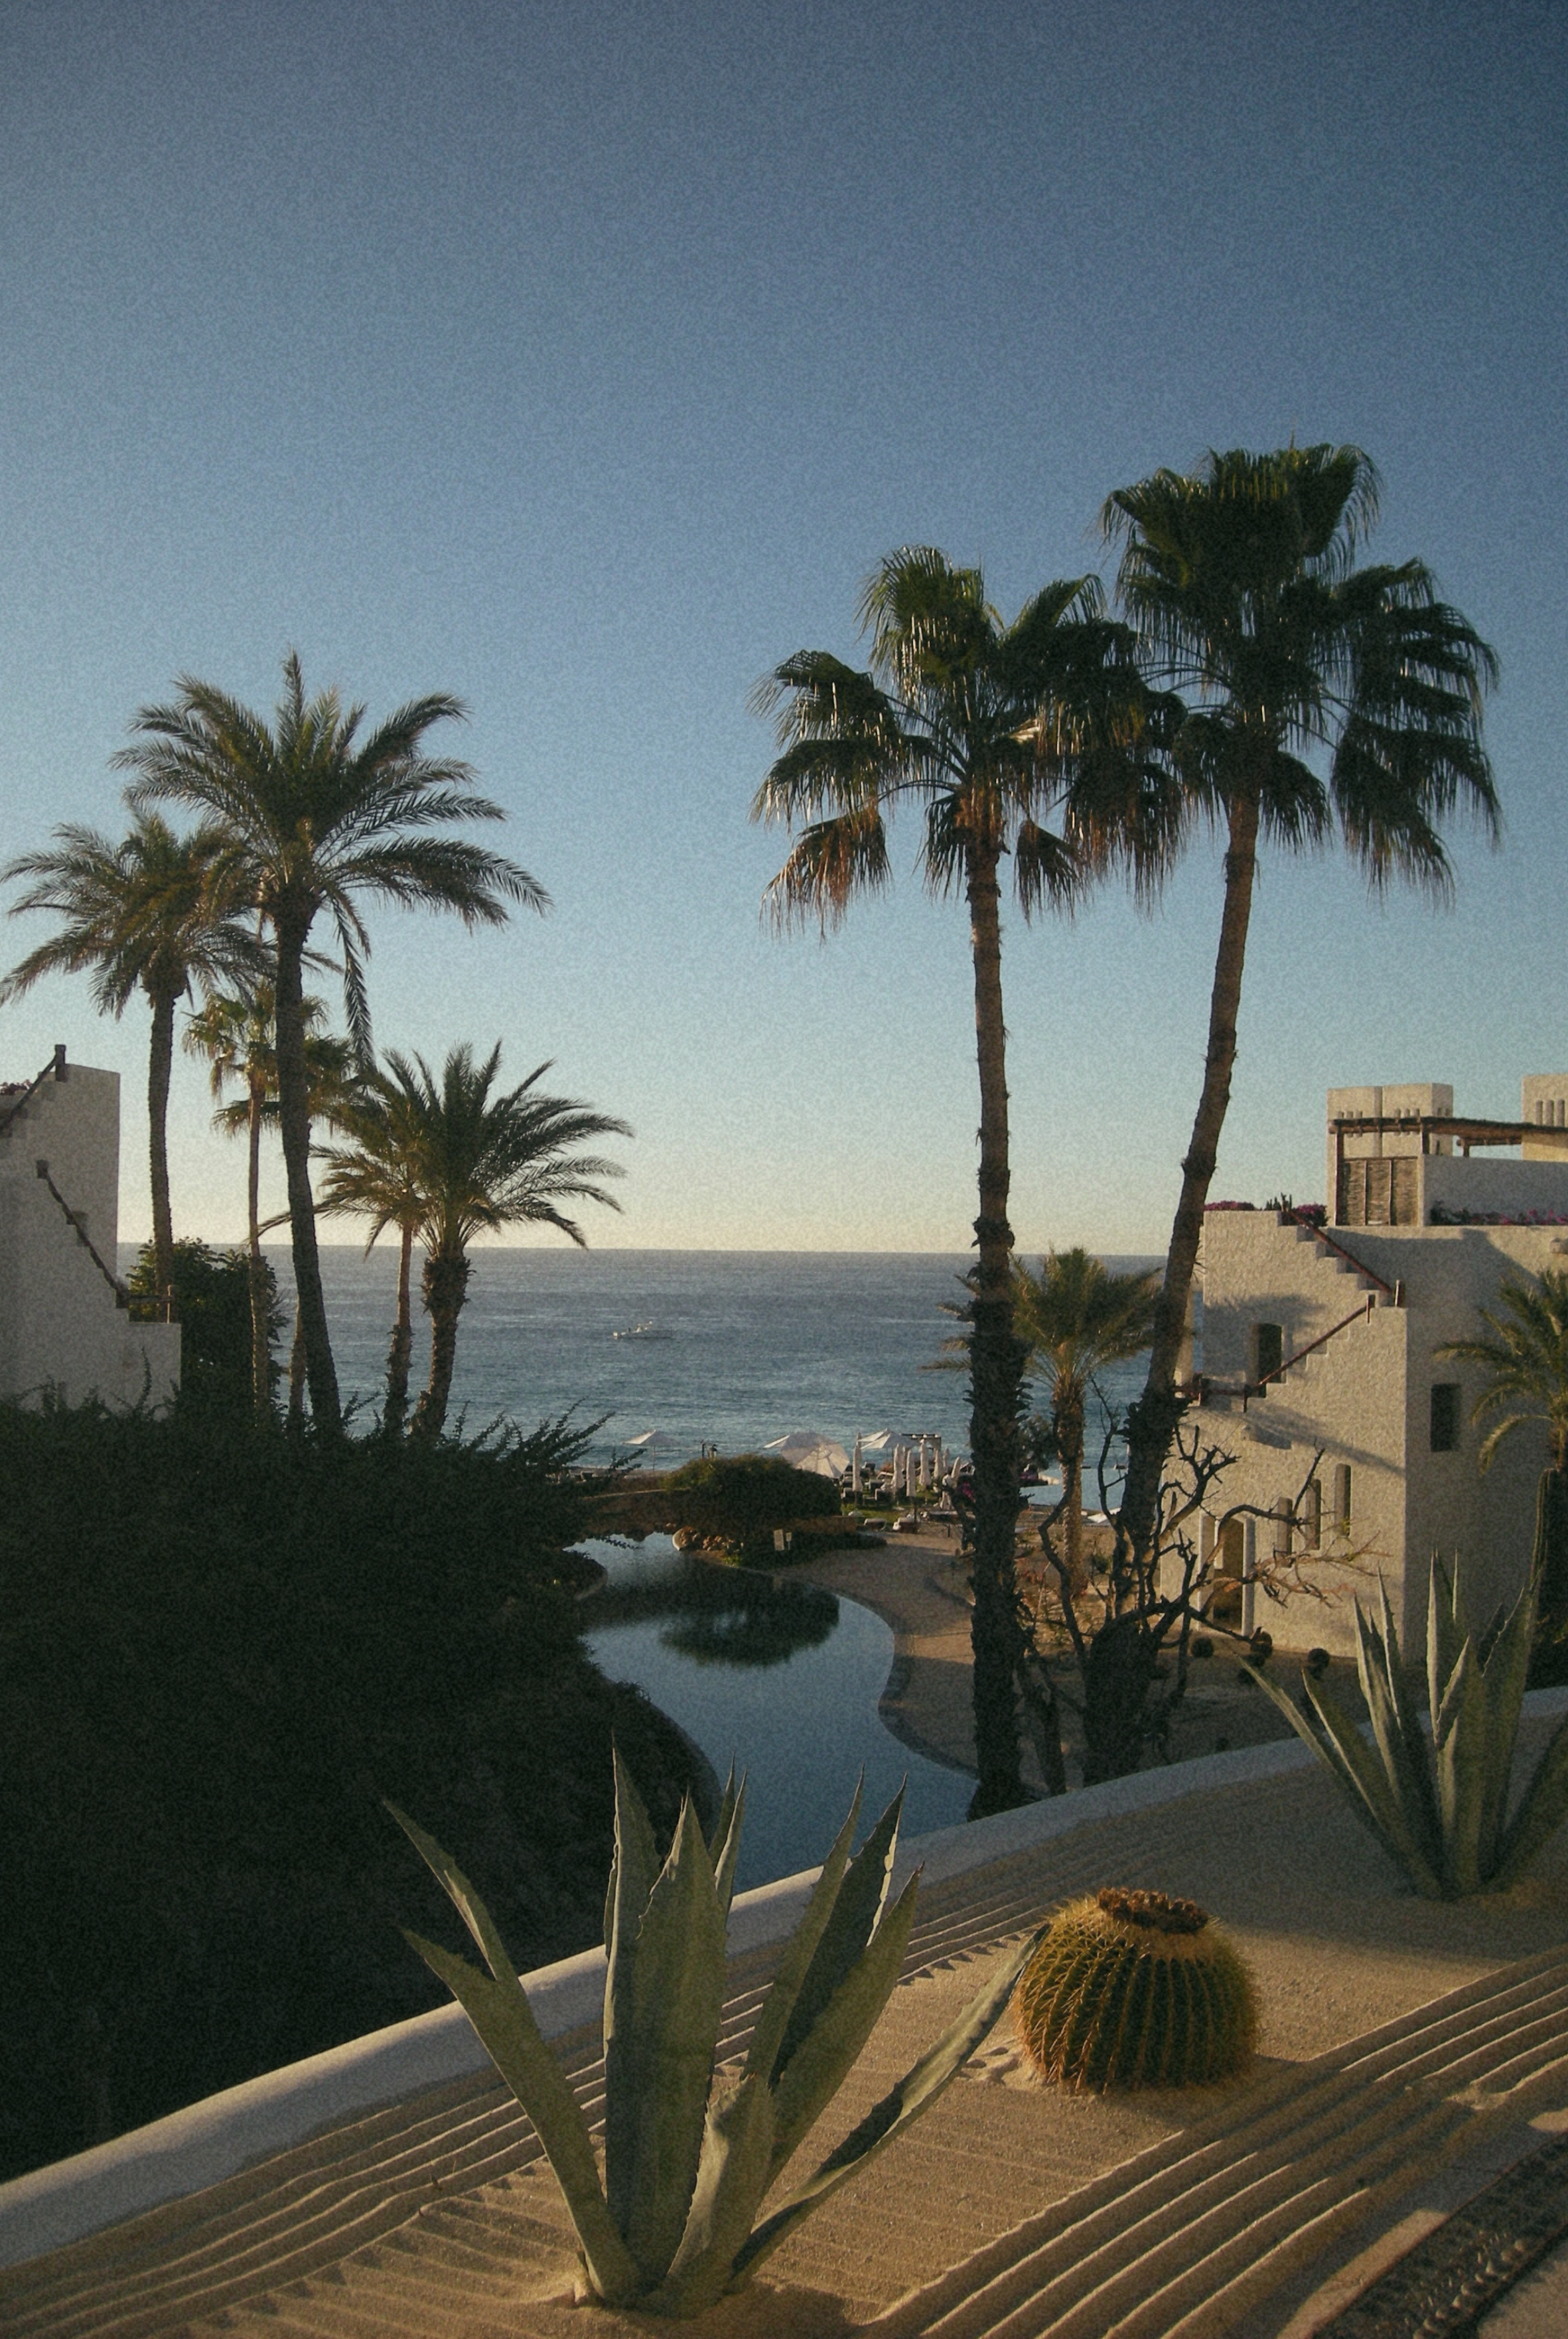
(1237, 2210)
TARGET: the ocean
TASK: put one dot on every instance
(750, 1345)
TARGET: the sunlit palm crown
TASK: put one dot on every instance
(310, 817)
(1240, 581)
(481, 1161)
(986, 726)
(1525, 1353)
(236, 1032)
(148, 914)
(1075, 1318)
(376, 1175)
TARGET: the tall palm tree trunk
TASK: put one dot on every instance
(996, 1374)
(1151, 1424)
(400, 1354)
(160, 1064)
(294, 1126)
(261, 1346)
(1070, 1447)
(446, 1287)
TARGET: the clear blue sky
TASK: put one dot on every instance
(583, 358)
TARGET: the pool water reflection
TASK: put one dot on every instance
(781, 1678)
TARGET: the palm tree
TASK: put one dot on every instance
(1525, 1352)
(153, 914)
(1241, 583)
(376, 1176)
(237, 1034)
(313, 821)
(479, 1162)
(1074, 1319)
(981, 725)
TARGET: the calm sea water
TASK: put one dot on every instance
(780, 1678)
(759, 1343)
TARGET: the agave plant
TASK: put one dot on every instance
(690, 2152)
(1437, 1798)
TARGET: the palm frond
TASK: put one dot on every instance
(828, 864)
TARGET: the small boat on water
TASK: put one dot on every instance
(643, 1331)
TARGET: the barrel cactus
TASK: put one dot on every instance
(1132, 1989)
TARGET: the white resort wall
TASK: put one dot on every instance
(1363, 1402)
(62, 1324)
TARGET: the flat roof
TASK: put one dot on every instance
(1436, 1124)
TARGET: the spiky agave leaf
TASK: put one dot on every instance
(498, 2007)
(772, 2023)
(1339, 1745)
(1396, 1727)
(733, 2176)
(902, 2105)
(829, 2049)
(676, 2004)
(633, 1871)
(1459, 1752)
(725, 1843)
(856, 1912)
(1541, 1810)
(1506, 1672)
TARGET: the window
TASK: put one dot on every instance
(1268, 1349)
(1444, 1417)
(1342, 1498)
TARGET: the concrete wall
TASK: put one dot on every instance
(1543, 1100)
(60, 1326)
(1365, 1399)
(1495, 1182)
(1432, 1097)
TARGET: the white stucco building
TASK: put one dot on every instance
(1319, 1372)
(64, 1321)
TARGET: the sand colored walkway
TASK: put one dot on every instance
(1408, 2051)
(914, 1585)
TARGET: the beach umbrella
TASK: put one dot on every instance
(854, 1484)
(808, 1449)
(925, 1465)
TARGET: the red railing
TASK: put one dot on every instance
(1394, 1291)
(54, 1069)
(122, 1296)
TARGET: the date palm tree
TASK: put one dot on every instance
(236, 1032)
(1075, 1318)
(1524, 1354)
(375, 1176)
(314, 819)
(979, 727)
(479, 1162)
(1322, 697)
(155, 913)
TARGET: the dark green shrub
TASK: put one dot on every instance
(218, 1650)
(212, 1302)
(742, 1499)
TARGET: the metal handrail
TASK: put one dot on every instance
(121, 1295)
(1393, 1290)
(1357, 1314)
(55, 1065)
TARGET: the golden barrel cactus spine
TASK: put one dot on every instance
(1132, 1989)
